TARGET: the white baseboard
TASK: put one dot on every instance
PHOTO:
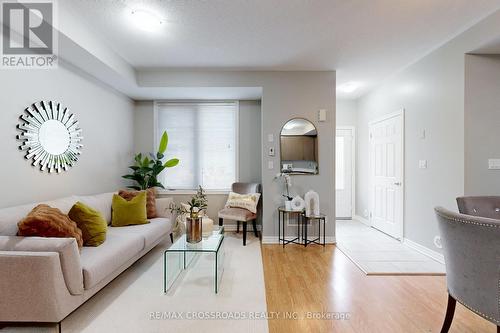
(424, 250)
(274, 239)
(362, 220)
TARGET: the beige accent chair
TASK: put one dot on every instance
(472, 254)
(45, 279)
(241, 215)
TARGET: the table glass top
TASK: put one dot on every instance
(283, 209)
(207, 244)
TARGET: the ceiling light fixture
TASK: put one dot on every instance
(146, 20)
(348, 87)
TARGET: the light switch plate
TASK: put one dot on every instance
(322, 115)
(271, 151)
(494, 164)
(422, 134)
(270, 137)
(422, 164)
(270, 165)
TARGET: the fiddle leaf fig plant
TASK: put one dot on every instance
(146, 169)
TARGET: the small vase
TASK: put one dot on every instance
(288, 204)
(193, 230)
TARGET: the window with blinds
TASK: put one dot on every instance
(203, 137)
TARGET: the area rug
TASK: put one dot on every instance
(376, 253)
(135, 302)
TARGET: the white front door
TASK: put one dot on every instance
(386, 174)
(343, 173)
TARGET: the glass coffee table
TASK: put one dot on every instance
(180, 255)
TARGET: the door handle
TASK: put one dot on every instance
(397, 183)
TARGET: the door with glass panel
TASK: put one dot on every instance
(343, 172)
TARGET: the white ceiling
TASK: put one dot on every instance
(363, 40)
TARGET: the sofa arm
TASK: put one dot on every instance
(65, 248)
(29, 285)
(163, 208)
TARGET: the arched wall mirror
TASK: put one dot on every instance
(299, 147)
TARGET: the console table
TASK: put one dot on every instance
(283, 213)
(306, 219)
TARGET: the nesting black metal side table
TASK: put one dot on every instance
(305, 221)
(283, 213)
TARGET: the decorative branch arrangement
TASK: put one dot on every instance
(288, 183)
(198, 203)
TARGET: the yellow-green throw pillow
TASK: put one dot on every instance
(90, 222)
(129, 212)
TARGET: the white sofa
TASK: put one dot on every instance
(45, 279)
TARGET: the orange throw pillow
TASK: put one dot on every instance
(45, 221)
(150, 200)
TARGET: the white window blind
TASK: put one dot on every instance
(203, 137)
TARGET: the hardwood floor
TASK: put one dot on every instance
(304, 281)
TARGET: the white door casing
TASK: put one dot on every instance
(386, 137)
(344, 173)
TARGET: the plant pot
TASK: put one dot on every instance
(193, 230)
(288, 204)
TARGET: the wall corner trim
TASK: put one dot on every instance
(424, 250)
(362, 220)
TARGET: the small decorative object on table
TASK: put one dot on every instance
(298, 204)
(207, 226)
(194, 224)
(312, 203)
(288, 183)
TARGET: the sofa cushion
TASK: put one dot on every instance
(150, 200)
(237, 214)
(163, 206)
(46, 221)
(133, 211)
(91, 223)
(9, 217)
(157, 228)
(66, 248)
(100, 202)
(100, 262)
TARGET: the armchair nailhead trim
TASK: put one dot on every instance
(476, 311)
(469, 222)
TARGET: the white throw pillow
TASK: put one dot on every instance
(245, 201)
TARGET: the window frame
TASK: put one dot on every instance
(236, 103)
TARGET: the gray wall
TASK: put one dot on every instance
(482, 124)
(432, 93)
(106, 119)
(144, 134)
(285, 95)
(250, 142)
(346, 113)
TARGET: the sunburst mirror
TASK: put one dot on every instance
(50, 136)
